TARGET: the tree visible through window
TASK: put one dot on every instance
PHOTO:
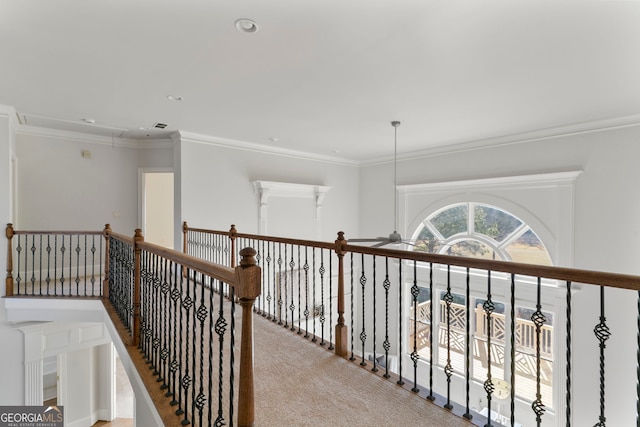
(480, 231)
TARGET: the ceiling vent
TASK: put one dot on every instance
(160, 125)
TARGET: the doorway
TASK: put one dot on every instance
(157, 207)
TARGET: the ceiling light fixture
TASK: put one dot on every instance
(245, 25)
(175, 97)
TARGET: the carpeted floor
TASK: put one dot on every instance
(298, 383)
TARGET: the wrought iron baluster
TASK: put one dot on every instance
(431, 397)
(77, 250)
(353, 357)
(538, 320)
(331, 347)
(70, 262)
(211, 329)
(322, 314)
(33, 265)
(40, 255)
(268, 275)
(186, 379)
(363, 333)
(467, 351)
(448, 369)
(306, 292)
(85, 265)
(568, 369)
(232, 344)
(174, 337)
(512, 397)
(220, 328)
(400, 330)
(279, 279)
(194, 341)
(48, 249)
(373, 274)
(62, 251)
(314, 339)
(164, 312)
(386, 344)
(415, 291)
(292, 306)
(489, 307)
(602, 333)
(299, 295)
(18, 278)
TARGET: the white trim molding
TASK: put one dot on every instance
(267, 189)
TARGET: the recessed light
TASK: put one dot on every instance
(274, 139)
(89, 121)
(143, 128)
(175, 97)
(336, 151)
(246, 25)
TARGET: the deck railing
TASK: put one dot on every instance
(491, 357)
(171, 311)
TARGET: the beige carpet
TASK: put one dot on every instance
(298, 383)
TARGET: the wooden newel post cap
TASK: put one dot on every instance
(233, 232)
(248, 274)
(185, 227)
(340, 242)
(9, 231)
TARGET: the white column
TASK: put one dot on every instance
(33, 387)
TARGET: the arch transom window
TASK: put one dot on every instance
(480, 231)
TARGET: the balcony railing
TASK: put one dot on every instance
(486, 361)
(455, 331)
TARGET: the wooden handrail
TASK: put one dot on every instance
(75, 233)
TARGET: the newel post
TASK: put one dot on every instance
(137, 238)
(341, 328)
(107, 247)
(185, 228)
(232, 236)
(9, 281)
(248, 288)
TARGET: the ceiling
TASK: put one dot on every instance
(324, 77)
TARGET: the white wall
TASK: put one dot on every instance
(217, 187)
(61, 190)
(606, 230)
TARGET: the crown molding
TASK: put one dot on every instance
(76, 136)
(9, 111)
(513, 139)
(259, 148)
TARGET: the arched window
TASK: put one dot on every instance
(480, 231)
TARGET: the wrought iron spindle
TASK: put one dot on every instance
(157, 281)
(18, 278)
(489, 307)
(538, 320)
(512, 397)
(292, 305)
(299, 296)
(602, 333)
(386, 344)
(313, 257)
(62, 251)
(279, 280)
(400, 316)
(568, 369)
(467, 350)
(415, 291)
(78, 250)
(220, 328)
(322, 314)
(353, 357)
(211, 329)
(186, 379)
(164, 312)
(40, 255)
(431, 397)
(55, 264)
(48, 279)
(194, 340)
(448, 369)
(268, 275)
(363, 333)
(331, 347)
(306, 292)
(33, 264)
(373, 287)
(232, 344)
(175, 336)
